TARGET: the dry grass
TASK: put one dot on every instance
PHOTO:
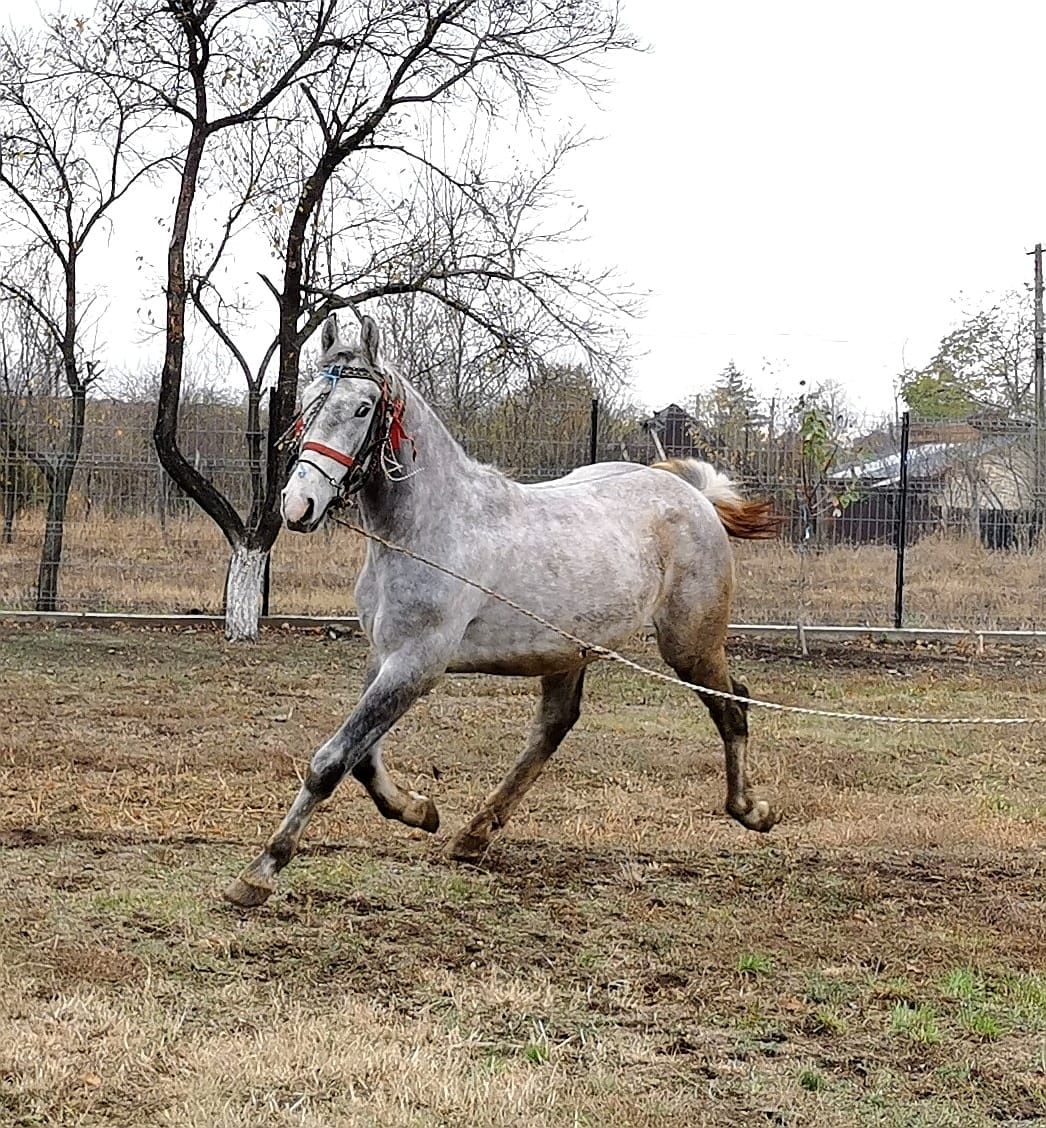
(950, 581)
(625, 956)
(137, 565)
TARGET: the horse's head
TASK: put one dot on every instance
(343, 422)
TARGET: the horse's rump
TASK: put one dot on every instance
(751, 519)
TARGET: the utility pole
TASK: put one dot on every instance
(1040, 395)
(902, 524)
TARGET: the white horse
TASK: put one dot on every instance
(601, 553)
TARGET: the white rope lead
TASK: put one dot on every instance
(588, 648)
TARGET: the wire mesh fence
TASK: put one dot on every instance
(965, 506)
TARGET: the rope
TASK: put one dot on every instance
(588, 649)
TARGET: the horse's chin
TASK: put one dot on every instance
(309, 526)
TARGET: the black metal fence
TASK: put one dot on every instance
(916, 522)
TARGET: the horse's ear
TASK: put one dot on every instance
(370, 341)
(329, 334)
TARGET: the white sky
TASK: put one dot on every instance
(804, 188)
(811, 185)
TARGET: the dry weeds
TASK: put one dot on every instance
(625, 956)
(138, 565)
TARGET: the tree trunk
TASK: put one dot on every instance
(10, 496)
(244, 592)
(59, 483)
(54, 532)
(255, 454)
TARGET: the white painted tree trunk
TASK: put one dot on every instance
(243, 593)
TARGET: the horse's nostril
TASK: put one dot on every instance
(307, 515)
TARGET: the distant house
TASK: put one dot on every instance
(671, 432)
(984, 483)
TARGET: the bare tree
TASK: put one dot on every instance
(296, 115)
(69, 151)
(459, 267)
(27, 371)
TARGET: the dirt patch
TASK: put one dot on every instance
(20, 837)
(75, 964)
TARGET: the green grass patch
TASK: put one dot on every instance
(826, 1020)
(813, 1081)
(917, 1024)
(754, 963)
(981, 1024)
(963, 984)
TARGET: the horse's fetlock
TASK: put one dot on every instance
(281, 850)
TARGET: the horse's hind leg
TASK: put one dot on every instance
(731, 719)
(558, 710)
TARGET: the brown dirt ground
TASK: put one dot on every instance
(624, 956)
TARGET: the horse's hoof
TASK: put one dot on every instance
(422, 813)
(248, 893)
(759, 817)
(466, 847)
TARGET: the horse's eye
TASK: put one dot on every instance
(362, 410)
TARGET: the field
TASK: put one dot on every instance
(625, 955)
(135, 564)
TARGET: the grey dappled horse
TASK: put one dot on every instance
(601, 553)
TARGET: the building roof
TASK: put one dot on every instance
(924, 461)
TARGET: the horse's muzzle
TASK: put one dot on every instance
(301, 518)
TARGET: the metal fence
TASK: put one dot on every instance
(930, 524)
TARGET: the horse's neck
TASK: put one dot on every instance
(424, 496)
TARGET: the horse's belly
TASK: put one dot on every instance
(502, 640)
(518, 665)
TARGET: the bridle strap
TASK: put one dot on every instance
(330, 452)
(386, 427)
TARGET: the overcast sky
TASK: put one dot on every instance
(804, 188)
(809, 186)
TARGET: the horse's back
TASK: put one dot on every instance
(599, 553)
(594, 471)
(627, 498)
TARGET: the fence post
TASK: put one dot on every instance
(902, 525)
(593, 431)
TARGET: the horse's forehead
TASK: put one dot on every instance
(340, 353)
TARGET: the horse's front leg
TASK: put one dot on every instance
(401, 679)
(409, 807)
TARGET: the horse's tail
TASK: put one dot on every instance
(748, 520)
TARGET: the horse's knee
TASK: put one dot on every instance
(325, 773)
